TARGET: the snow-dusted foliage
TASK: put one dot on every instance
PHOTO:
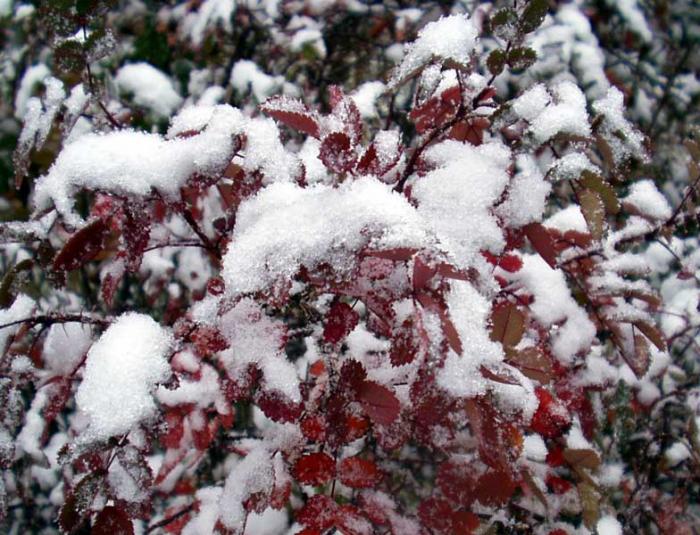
(319, 267)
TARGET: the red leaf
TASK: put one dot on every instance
(359, 473)
(380, 403)
(448, 329)
(455, 480)
(404, 345)
(318, 513)
(82, 246)
(340, 320)
(351, 522)
(314, 469)
(464, 522)
(551, 418)
(400, 254)
(542, 242)
(336, 153)
(422, 273)
(313, 427)
(494, 488)
(292, 113)
(112, 521)
(276, 407)
(436, 514)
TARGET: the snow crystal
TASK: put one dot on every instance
(610, 475)
(122, 369)
(286, 226)
(532, 102)
(624, 140)
(29, 438)
(449, 38)
(608, 525)
(202, 393)
(553, 305)
(39, 117)
(456, 198)
(570, 166)
(65, 346)
(648, 201)
(567, 115)
(527, 194)
(149, 88)
(246, 75)
(255, 338)
(127, 162)
(253, 474)
(570, 218)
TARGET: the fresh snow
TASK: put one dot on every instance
(121, 372)
(149, 88)
(450, 38)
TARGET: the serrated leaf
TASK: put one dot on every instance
(533, 15)
(503, 23)
(593, 211)
(508, 324)
(380, 403)
(521, 58)
(112, 521)
(292, 113)
(76, 505)
(496, 61)
(652, 333)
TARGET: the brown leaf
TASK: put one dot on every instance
(533, 363)
(582, 458)
(607, 193)
(652, 333)
(593, 211)
(590, 504)
(508, 324)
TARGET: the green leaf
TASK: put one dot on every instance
(533, 15)
(521, 58)
(503, 23)
(496, 61)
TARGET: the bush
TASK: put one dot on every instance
(268, 271)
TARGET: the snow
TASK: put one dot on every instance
(632, 14)
(571, 165)
(527, 194)
(21, 309)
(648, 201)
(211, 13)
(534, 448)
(65, 346)
(207, 514)
(257, 339)
(554, 305)
(122, 370)
(455, 199)
(532, 102)
(677, 453)
(570, 218)
(624, 140)
(149, 87)
(5, 8)
(253, 474)
(33, 76)
(609, 525)
(128, 162)
(449, 38)
(567, 115)
(39, 117)
(366, 96)
(247, 76)
(461, 375)
(285, 226)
